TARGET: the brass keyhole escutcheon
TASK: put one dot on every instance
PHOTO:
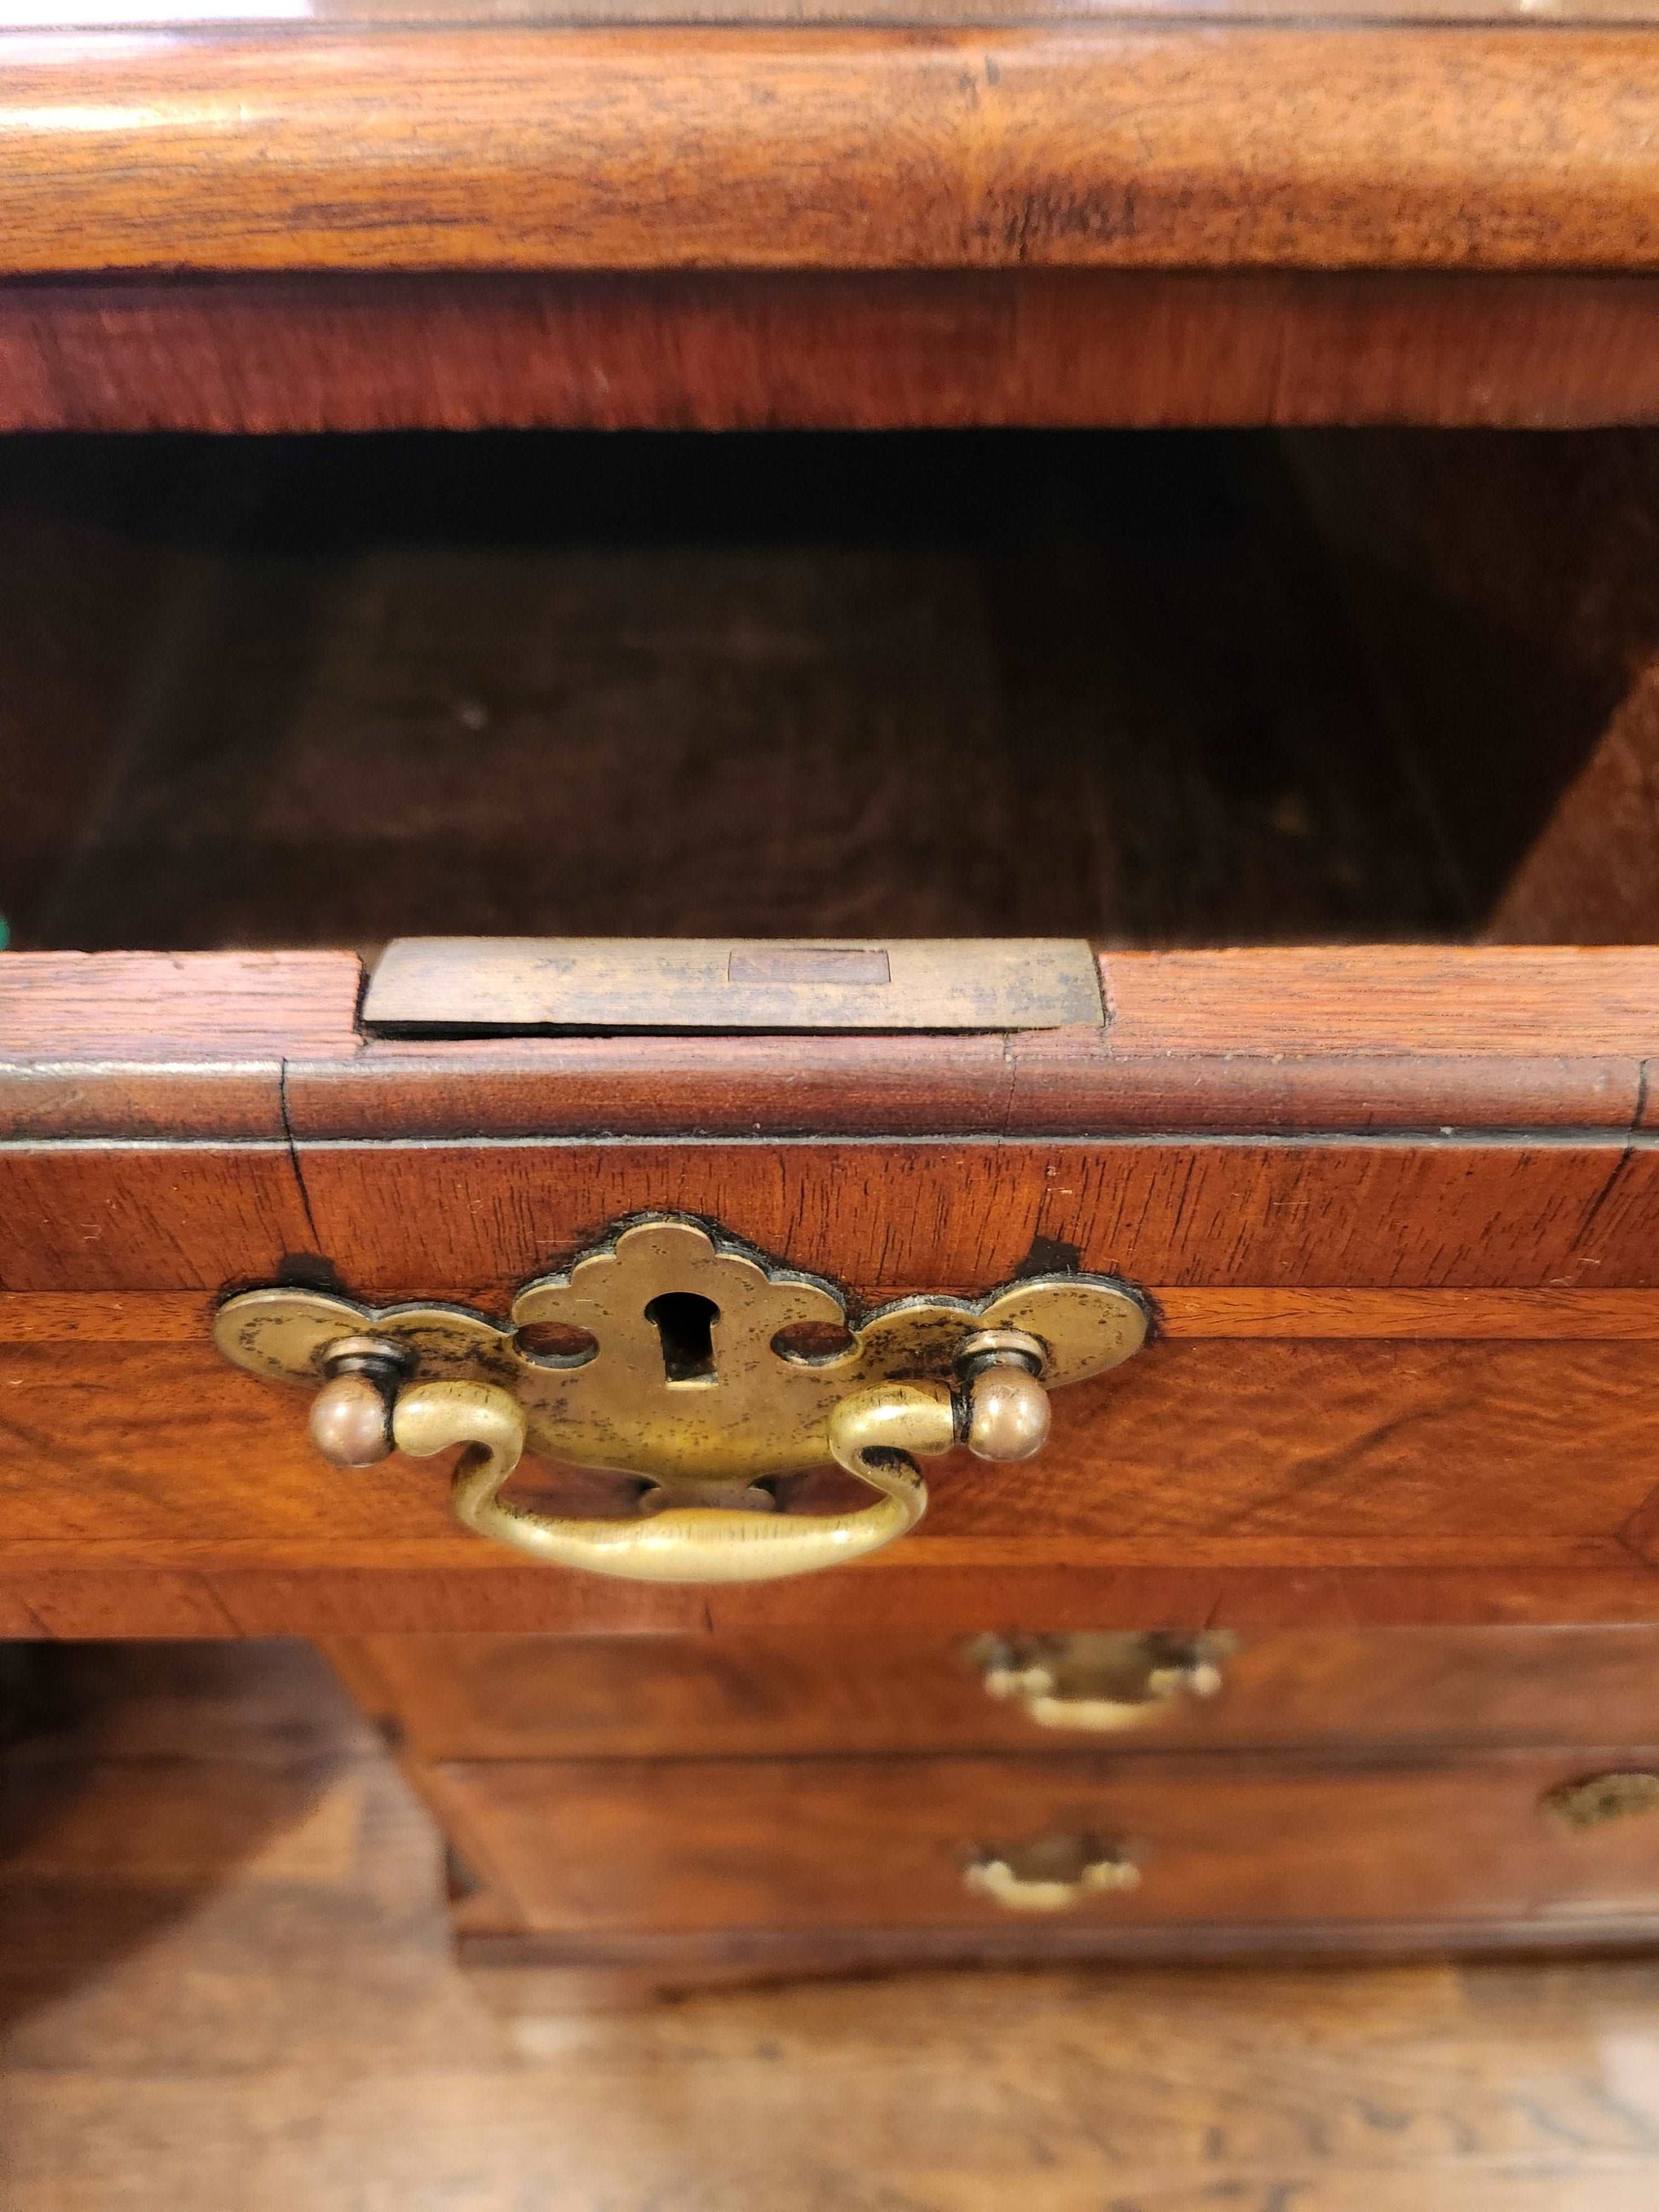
(684, 1323)
(674, 1353)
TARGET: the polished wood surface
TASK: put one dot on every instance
(258, 2007)
(1347, 1038)
(296, 18)
(62, 1008)
(1422, 1421)
(145, 1046)
(617, 1847)
(882, 350)
(1393, 1202)
(408, 1221)
(472, 1222)
(1183, 146)
(151, 1489)
(483, 1697)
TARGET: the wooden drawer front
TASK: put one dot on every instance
(656, 1847)
(528, 1697)
(1398, 1376)
(1258, 1485)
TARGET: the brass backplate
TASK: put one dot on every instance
(670, 1364)
(497, 986)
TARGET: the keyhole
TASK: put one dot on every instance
(683, 1322)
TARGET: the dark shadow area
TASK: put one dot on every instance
(1127, 686)
(135, 1779)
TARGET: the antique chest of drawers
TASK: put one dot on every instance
(653, 1812)
(597, 1025)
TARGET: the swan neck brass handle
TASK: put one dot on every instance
(700, 1374)
(1055, 1875)
(686, 1543)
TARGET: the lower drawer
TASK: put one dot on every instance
(776, 1695)
(615, 1847)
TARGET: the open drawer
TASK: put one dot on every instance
(1278, 731)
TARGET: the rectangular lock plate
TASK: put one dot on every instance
(464, 986)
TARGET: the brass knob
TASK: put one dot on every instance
(351, 1415)
(1008, 1412)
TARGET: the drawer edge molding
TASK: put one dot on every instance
(627, 146)
(1423, 1041)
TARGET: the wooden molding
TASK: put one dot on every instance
(828, 349)
(1079, 146)
(152, 1047)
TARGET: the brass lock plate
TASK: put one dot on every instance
(458, 987)
(674, 1360)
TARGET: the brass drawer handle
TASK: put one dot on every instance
(1053, 1874)
(702, 1369)
(683, 1543)
(1103, 1682)
(1621, 1795)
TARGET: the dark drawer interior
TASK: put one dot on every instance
(1149, 688)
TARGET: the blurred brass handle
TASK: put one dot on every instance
(871, 1435)
(1102, 1683)
(1004, 1885)
(1617, 1795)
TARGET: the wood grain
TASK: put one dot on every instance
(1064, 1084)
(176, 1217)
(154, 1045)
(1594, 860)
(179, 1007)
(591, 1848)
(1333, 1482)
(312, 1596)
(1056, 1083)
(1345, 1036)
(1502, 587)
(1059, 1085)
(1417, 1314)
(1353, 1037)
(632, 1973)
(1373, 1001)
(179, 2029)
(474, 1220)
(411, 1221)
(184, 16)
(881, 350)
(686, 148)
(783, 1695)
(315, 765)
